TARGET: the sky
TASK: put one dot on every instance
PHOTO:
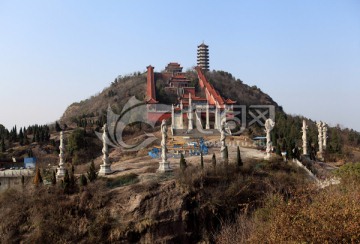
(305, 54)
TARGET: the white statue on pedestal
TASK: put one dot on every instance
(164, 165)
(304, 138)
(105, 168)
(269, 125)
(61, 170)
(223, 130)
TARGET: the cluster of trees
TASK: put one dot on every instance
(69, 183)
(24, 136)
(238, 162)
(287, 136)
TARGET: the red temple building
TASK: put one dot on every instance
(205, 108)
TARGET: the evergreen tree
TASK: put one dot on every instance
(213, 160)
(38, 179)
(21, 137)
(182, 162)
(72, 182)
(92, 174)
(2, 146)
(53, 178)
(57, 127)
(239, 162)
(201, 160)
(30, 153)
(66, 182)
(226, 155)
(83, 180)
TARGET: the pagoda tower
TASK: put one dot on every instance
(203, 56)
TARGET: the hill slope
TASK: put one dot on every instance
(122, 89)
(116, 95)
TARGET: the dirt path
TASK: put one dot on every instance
(146, 167)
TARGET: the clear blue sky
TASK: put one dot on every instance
(305, 54)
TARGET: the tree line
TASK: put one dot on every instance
(23, 136)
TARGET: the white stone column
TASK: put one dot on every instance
(207, 126)
(105, 168)
(223, 140)
(324, 129)
(172, 117)
(164, 165)
(320, 140)
(190, 114)
(182, 117)
(61, 170)
(216, 117)
(304, 138)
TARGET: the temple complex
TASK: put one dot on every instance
(202, 108)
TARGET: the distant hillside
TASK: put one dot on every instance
(122, 89)
(116, 95)
(230, 87)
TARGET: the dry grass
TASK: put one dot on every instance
(45, 215)
(309, 215)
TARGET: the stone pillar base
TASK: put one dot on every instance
(268, 156)
(164, 167)
(60, 172)
(105, 169)
(319, 156)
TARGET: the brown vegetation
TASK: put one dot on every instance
(310, 215)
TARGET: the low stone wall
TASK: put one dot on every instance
(13, 182)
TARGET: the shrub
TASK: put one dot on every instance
(53, 178)
(239, 162)
(83, 180)
(349, 171)
(38, 179)
(182, 162)
(92, 173)
(213, 160)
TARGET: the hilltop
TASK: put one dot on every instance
(123, 88)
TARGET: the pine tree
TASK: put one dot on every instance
(201, 160)
(226, 155)
(2, 146)
(66, 182)
(38, 179)
(72, 182)
(21, 137)
(83, 180)
(92, 174)
(213, 160)
(239, 162)
(182, 162)
(53, 178)
(57, 127)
